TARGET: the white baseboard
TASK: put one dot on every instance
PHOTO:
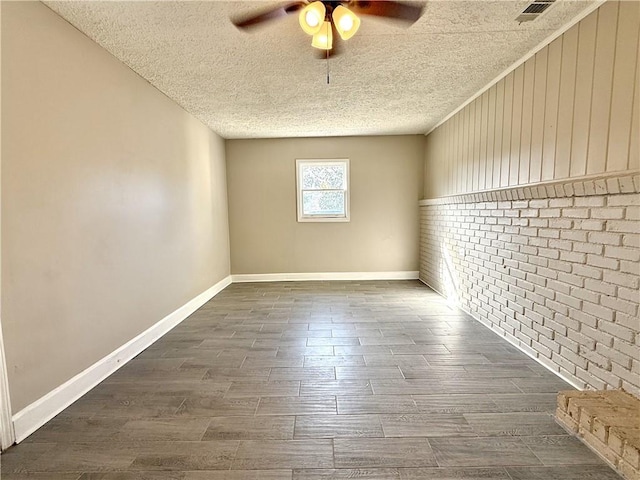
(301, 277)
(574, 382)
(32, 417)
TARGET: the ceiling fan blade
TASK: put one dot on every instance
(390, 9)
(248, 22)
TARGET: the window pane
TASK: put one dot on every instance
(323, 203)
(323, 177)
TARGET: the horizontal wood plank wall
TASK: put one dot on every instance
(569, 111)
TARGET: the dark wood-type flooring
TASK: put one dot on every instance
(316, 381)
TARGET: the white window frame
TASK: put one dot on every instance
(347, 203)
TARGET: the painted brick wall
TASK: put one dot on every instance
(554, 269)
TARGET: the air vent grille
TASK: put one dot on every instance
(534, 10)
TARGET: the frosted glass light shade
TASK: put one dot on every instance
(346, 22)
(324, 38)
(311, 17)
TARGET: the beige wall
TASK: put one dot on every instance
(114, 209)
(569, 111)
(386, 184)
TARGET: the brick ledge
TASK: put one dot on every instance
(619, 182)
(607, 421)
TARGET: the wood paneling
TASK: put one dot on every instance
(583, 95)
(602, 87)
(552, 101)
(537, 121)
(497, 135)
(516, 124)
(506, 129)
(565, 102)
(570, 110)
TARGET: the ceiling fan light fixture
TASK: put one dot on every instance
(346, 22)
(324, 38)
(311, 17)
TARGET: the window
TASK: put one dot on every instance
(323, 190)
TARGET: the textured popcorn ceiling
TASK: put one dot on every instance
(269, 83)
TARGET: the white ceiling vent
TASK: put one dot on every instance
(534, 10)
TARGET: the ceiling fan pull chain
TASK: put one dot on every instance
(327, 67)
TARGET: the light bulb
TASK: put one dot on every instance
(324, 38)
(346, 22)
(311, 17)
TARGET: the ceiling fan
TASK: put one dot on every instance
(323, 19)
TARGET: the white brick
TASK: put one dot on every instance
(629, 294)
(596, 382)
(559, 286)
(604, 375)
(566, 364)
(600, 287)
(598, 311)
(603, 262)
(596, 358)
(560, 223)
(557, 307)
(536, 279)
(629, 321)
(574, 257)
(626, 348)
(598, 201)
(585, 294)
(575, 212)
(623, 200)
(593, 248)
(550, 283)
(551, 212)
(552, 345)
(622, 253)
(544, 332)
(561, 202)
(605, 238)
(592, 225)
(598, 336)
(574, 358)
(631, 240)
(548, 253)
(633, 213)
(608, 213)
(622, 279)
(565, 342)
(582, 339)
(542, 203)
(623, 226)
(586, 271)
(568, 300)
(572, 279)
(624, 374)
(574, 235)
(619, 305)
(541, 349)
(614, 355)
(549, 233)
(627, 266)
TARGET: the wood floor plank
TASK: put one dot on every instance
(336, 426)
(376, 380)
(250, 428)
(258, 454)
(383, 452)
